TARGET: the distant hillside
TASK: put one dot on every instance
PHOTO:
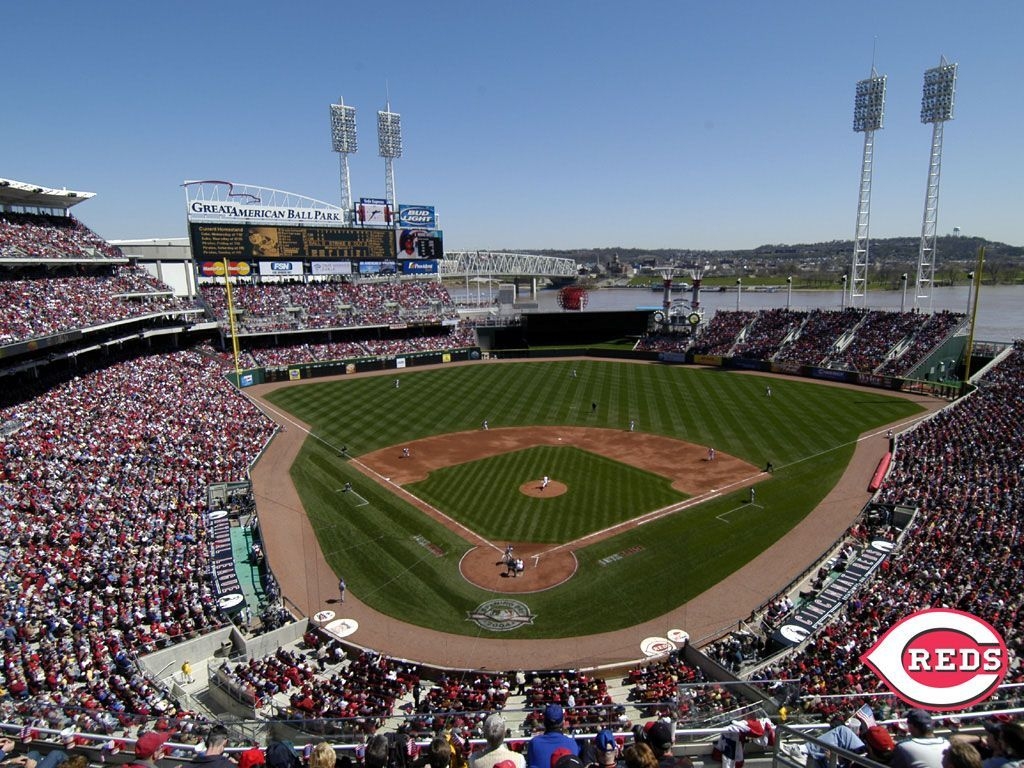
(955, 256)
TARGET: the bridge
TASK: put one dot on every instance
(502, 264)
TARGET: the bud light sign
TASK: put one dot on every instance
(417, 216)
(940, 659)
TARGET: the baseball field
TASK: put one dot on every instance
(415, 502)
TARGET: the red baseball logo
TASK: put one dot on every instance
(940, 659)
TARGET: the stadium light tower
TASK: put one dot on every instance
(343, 141)
(868, 116)
(936, 108)
(389, 140)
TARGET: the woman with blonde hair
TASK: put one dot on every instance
(322, 756)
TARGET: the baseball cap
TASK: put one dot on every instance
(148, 744)
(659, 735)
(558, 754)
(878, 738)
(553, 713)
(605, 741)
(919, 719)
(568, 760)
(251, 758)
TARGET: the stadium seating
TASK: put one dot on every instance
(267, 307)
(961, 469)
(40, 236)
(43, 305)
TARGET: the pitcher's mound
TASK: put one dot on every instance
(535, 488)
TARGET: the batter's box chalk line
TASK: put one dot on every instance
(350, 493)
(745, 505)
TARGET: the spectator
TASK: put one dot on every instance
(322, 756)
(543, 745)
(216, 743)
(439, 754)
(280, 754)
(960, 754)
(1011, 736)
(639, 755)
(150, 748)
(839, 735)
(923, 749)
(494, 732)
(376, 752)
(602, 751)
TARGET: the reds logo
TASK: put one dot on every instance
(940, 659)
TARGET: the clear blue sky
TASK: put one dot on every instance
(528, 125)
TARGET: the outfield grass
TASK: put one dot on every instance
(806, 430)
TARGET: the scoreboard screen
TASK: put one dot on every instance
(254, 241)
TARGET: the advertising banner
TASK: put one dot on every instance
(280, 267)
(416, 216)
(331, 267)
(814, 614)
(707, 359)
(216, 268)
(377, 267)
(244, 241)
(420, 243)
(374, 212)
(419, 267)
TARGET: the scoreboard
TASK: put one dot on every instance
(258, 241)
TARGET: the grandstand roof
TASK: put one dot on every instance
(22, 194)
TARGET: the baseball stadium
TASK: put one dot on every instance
(288, 481)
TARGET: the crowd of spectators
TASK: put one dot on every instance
(358, 697)
(672, 688)
(272, 306)
(819, 334)
(767, 333)
(932, 333)
(663, 342)
(876, 337)
(261, 678)
(720, 334)
(40, 236)
(41, 305)
(105, 556)
(584, 699)
(962, 471)
(310, 352)
(460, 700)
(784, 335)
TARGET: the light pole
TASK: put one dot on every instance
(903, 301)
(343, 141)
(936, 108)
(739, 290)
(868, 116)
(845, 277)
(789, 291)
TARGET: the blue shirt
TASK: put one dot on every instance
(544, 745)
